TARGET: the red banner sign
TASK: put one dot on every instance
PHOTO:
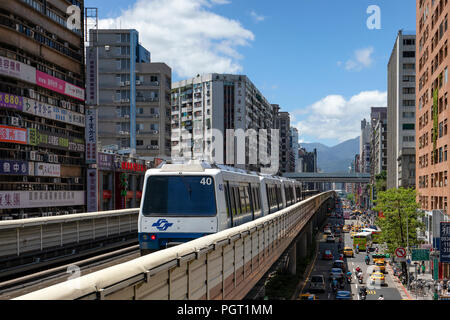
(107, 194)
(130, 166)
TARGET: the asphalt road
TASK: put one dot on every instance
(323, 267)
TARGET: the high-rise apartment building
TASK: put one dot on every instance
(42, 109)
(217, 102)
(432, 116)
(133, 95)
(282, 123)
(378, 145)
(401, 113)
(294, 145)
(364, 146)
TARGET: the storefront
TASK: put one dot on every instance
(128, 182)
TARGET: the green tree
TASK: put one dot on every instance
(380, 181)
(400, 211)
(351, 197)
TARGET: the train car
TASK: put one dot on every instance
(182, 202)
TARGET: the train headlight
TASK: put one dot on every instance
(144, 237)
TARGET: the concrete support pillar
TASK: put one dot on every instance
(309, 234)
(292, 267)
(302, 248)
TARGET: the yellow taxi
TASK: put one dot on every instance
(352, 234)
(348, 252)
(381, 266)
(377, 278)
(308, 296)
(346, 228)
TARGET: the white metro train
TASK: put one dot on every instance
(182, 202)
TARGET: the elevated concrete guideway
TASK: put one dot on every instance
(329, 177)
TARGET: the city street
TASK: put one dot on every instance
(323, 267)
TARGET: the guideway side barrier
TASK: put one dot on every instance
(225, 265)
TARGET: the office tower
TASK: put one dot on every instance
(401, 113)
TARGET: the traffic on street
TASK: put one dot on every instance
(350, 263)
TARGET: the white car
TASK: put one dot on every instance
(330, 238)
(317, 283)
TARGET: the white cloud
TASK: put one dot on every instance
(256, 17)
(362, 59)
(334, 117)
(186, 34)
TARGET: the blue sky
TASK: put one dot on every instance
(315, 58)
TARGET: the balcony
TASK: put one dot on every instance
(146, 99)
(147, 132)
(148, 116)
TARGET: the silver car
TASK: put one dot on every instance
(317, 283)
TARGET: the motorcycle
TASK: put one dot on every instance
(360, 277)
(362, 296)
(349, 279)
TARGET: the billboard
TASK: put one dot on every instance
(16, 69)
(44, 110)
(445, 242)
(91, 136)
(14, 167)
(11, 101)
(35, 199)
(91, 76)
(13, 135)
(92, 200)
(49, 82)
(47, 169)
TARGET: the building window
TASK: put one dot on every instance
(154, 142)
(409, 103)
(408, 126)
(139, 142)
(409, 54)
(409, 66)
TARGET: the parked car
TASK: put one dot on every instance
(330, 239)
(308, 296)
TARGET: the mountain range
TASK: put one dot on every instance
(336, 158)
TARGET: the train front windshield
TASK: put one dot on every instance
(179, 196)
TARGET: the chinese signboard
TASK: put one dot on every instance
(420, 255)
(51, 112)
(105, 161)
(133, 166)
(34, 199)
(14, 167)
(11, 134)
(92, 190)
(47, 169)
(11, 101)
(49, 82)
(91, 136)
(17, 69)
(445, 242)
(40, 139)
(91, 76)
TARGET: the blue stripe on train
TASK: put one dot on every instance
(161, 239)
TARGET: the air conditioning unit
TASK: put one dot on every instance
(126, 116)
(122, 83)
(14, 121)
(127, 100)
(50, 158)
(25, 179)
(138, 82)
(127, 83)
(50, 213)
(77, 180)
(55, 158)
(54, 38)
(23, 216)
(44, 214)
